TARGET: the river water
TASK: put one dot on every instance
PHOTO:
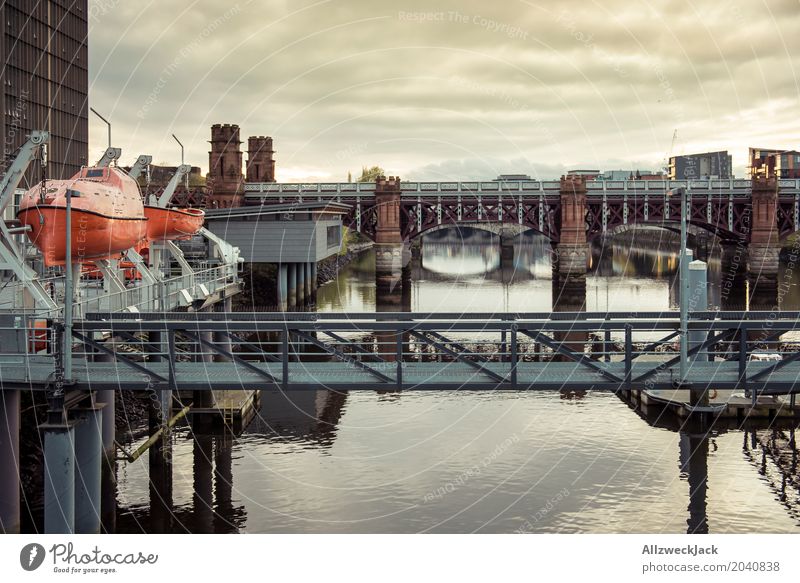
(482, 461)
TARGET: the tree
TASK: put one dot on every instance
(370, 174)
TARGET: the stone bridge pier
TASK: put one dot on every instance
(572, 248)
(392, 254)
(765, 246)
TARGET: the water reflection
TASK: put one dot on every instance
(311, 416)
(198, 497)
(323, 461)
(474, 270)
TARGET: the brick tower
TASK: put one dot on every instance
(225, 178)
(260, 163)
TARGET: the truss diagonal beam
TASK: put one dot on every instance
(118, 357)
(251, 346)
(457, 345)
(673, 361)
(355, 345)
(571, 354)
(460, 357)
(653, 345)
(777, 366)
(237, 359)
(345, 357)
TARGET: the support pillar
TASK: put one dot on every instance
(160, 470)
(107, 399)
(160, 453)
(300, 270)
(572, 246)
(59, 478)
(88, 470)
(314, 282)
(698, 302)
(223, 486)
(9, 462)
(203, 398)
(694, 462)
(203, 491)
(390, 253)
(765, 246)
(291, 278)
(309, 283)
(282, 283)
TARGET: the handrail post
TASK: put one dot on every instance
(606, 344)
(514, 355)
(628, 355)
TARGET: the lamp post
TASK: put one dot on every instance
(68, 289)
(683, 279)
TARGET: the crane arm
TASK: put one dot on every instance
(165, 196)
(141, 163)
(17, 168)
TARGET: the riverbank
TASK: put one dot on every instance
(328, 269)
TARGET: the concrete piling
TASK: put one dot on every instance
(9, 462)
(300, 271)
(59, 478)
(282, 277)
(88, 470)
(698, 302)
(291, 279)
(309, 283)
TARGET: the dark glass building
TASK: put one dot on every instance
(45, 80)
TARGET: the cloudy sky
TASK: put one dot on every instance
(442, 90)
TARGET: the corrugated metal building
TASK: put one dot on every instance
(45, 80)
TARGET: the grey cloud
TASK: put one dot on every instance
(580, 81)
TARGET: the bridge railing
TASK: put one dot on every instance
(616, 351)
(357, 190)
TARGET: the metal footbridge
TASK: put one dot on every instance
(748, 351)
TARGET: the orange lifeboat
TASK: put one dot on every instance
(170, 224)
(107, 215)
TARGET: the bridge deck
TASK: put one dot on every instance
(415, 376)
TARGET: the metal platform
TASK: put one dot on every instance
(407, 351)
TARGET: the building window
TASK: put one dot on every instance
(334, 236)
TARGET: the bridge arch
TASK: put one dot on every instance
(729, 222)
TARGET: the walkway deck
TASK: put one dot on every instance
(344, 376)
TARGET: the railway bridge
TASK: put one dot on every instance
(759, 214)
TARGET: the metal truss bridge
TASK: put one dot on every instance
(417, 351)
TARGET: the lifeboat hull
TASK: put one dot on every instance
(94, 236)
(172, 224)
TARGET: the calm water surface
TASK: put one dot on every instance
(479, 462)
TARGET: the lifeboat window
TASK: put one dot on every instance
(74, 193)
(95, 173)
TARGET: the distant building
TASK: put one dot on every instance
(631, 175)
(587, 174)
(771, 162)
(225, 179)
(700, 166)
(512, 178)
(45, 81)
